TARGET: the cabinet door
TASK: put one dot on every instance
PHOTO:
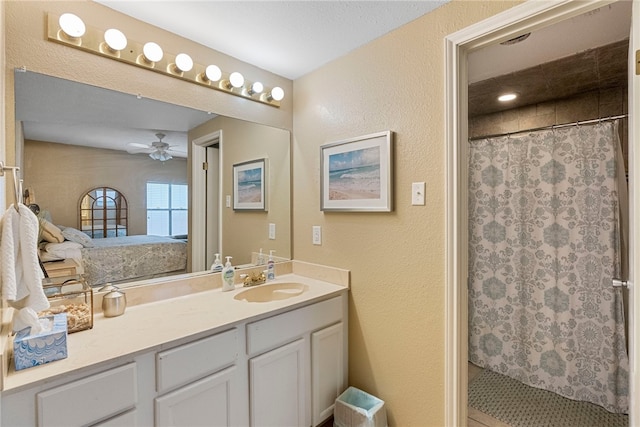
(277, 386)
(327, 371)
(206, 402)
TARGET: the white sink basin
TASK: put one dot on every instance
(272, 292)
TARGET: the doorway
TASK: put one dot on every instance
(206, 153)
(514, 22)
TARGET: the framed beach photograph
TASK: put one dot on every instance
(357, 174)
(249, 185)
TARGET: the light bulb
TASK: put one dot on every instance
(507, 97)
(236, 79)
(213, 73)
(277, 93)
(115, 39)
(152, 52)
(184, 62)
(71, 25)
(256, 87)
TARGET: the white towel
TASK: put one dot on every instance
(20, 270)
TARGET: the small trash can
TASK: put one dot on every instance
(356, 408)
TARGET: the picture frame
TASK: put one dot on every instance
(249, 185)
(356, 174)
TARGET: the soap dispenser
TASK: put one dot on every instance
(228, 276)
(271, 266)
(216, 267)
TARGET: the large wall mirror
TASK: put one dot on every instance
(73, 137)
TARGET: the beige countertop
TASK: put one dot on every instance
(166, 322)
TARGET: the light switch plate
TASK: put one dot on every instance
(417, 193)
(317, 235)
(272, 231)
(228, 201)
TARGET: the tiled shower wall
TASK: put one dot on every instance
(586, 106)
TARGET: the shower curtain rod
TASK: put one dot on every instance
(551, 127)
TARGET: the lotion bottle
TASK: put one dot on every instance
(260, 260)
(216, 267)
(228, 276)
(271, 267)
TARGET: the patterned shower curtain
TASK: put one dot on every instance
(544, 245)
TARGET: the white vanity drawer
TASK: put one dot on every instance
(281, 329)
(90, 399)
(189, 362)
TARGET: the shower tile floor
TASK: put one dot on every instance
(476, 418)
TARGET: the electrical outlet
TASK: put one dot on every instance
(272, 231)
(317, 235)
(228, 201)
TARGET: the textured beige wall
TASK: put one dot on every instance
(397, 260)
(247, 231)
(79, 169)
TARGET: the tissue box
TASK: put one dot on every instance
(34, 350)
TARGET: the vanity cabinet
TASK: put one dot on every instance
(295, 376)
(89, 400)
(277, 386)
(197, 382)
(207, 402)
(328, 368)
(271, 370)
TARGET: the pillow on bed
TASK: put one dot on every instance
(64, 250)
(50, 232)
(77, 236)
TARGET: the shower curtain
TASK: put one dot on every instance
(544, 245)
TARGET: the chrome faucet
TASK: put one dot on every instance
(253, 278)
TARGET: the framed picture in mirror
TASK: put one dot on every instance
(249, 185)
(357, 174)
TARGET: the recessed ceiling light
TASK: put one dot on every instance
(507, 97)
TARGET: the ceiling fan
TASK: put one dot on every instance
(157, 150)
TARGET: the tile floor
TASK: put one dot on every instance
(476, 418)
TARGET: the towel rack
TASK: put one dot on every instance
(17, 183)
(4, 168)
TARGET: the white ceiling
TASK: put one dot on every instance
(599, 27)
(289, 38)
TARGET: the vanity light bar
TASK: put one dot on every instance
(93, 41)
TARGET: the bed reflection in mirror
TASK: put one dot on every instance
(87, 157)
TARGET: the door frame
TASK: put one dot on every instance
(198, 214)
(520, 19)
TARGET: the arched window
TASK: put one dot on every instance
(103, 213)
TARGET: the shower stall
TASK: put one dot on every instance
(546, 241)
